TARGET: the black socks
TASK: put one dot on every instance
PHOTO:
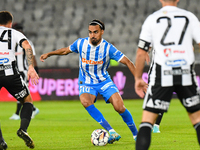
(25, 115)
(19, 105)
(159, 118)
(197, 128)
(1, 136)
(144, 136)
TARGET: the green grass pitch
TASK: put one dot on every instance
(65, 125)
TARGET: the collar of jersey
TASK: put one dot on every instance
(169, 7)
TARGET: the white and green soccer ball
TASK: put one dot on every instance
(99, 137)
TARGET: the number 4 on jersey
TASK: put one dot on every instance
(9, 38)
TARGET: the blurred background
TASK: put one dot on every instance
(53, 24)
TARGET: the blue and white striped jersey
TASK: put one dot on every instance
(94, 60)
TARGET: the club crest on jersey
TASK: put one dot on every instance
(167, 52)
(165, 12)
(101, 55)
(4, 60)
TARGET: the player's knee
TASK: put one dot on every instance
(28, 99)
(120, 109)
(86, 103)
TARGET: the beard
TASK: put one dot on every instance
(94, 41)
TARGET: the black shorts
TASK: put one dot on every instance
(157, 98)
(24, 76)
(15, 86)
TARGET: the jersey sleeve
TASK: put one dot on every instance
(19, 37)
(115, 53)
(145, 33)
(74, 46)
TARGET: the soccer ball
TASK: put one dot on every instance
(99, 137)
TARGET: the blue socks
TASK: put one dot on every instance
(127, 117)
(97, 115)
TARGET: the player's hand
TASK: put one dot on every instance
(32, 75)
(140, 87)
(43, 57)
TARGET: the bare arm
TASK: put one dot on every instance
(35, 65)
(140, 85)
(62, 51)
(29, 54)
(147, 56)
(34, 61)
(140, 62)
(129, 64)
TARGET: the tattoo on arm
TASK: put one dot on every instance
(29, 56)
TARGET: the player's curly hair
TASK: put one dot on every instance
(5, 17)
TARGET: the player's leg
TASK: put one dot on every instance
(144, 135)
(26, 113)
(19, 105)
(107, 89)
(3, 144)
(157, 100)
(16, 116)
(118, 105)
(87, 100)
(17, 88)
(195, 119)
(156, 126)
(35, 111)
(24, 77)
(190, 98)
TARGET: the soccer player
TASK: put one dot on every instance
(94, 57)
(22, 65)
(171, 31)
(10, 77)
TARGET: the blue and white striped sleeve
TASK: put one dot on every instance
(115, 54)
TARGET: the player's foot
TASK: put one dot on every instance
(114, 136)
(27, 139)
(35, 112)
(3, 145)
(14, 117)
(156, 129)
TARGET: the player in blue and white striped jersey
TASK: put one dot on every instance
(94, 57)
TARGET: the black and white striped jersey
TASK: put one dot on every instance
(171, 32)
(21, 59)
(8, 40)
